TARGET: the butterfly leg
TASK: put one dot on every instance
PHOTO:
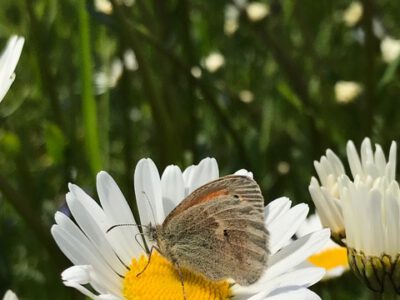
(148, 262)
(178, 269)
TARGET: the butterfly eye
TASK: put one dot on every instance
(236, 196)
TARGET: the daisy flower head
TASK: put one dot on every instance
(369, 205)
(8, 61)
(110, 261)
(367, 166)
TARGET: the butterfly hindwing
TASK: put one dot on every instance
(219, 231)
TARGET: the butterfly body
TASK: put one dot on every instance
(218, 231)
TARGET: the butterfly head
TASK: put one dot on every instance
(151, 232)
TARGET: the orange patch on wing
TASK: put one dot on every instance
(195, 201)
(211, 196)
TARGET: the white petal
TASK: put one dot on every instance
(89, 225)
(286, 226)
(336, 163)
(80, 254)
(354, 160)
(187, 175)
(148, 192)
(275, 209)
(107, 297)
(79, 274)
(118, 211)
(296, 252)
(298, 293)
(173, 188)
(206, 171)
(392, 161)
(80, 288)
(9, 295)
(244, 172)
(8, 62)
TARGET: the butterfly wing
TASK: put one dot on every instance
(219, 231)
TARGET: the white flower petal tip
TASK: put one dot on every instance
(147, 185)
(78, 274)
(10, 295)
(204, 172)
(8, 62)
(244, 172)
(173, 188)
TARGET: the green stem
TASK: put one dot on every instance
(89, 107)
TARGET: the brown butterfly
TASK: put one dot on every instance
(218, 231)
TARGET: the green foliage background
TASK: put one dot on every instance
(56, 127)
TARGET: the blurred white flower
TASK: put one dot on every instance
(231, 23)
(106, 80)
(196, 71)
(390, 49)
(9, 295)
(214, 61)
(240, 3)
(103, 6)
(353, 13)
(347, 91)
(246, 96)
(283, 167)
(8, 61)
(257, 11)
(130, 61)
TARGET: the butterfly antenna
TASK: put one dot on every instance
(123, 225)
(137, 241)
(151, 207)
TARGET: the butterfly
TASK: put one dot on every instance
(218, 230)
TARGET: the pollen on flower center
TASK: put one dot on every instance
(330, 258)
(161, 280)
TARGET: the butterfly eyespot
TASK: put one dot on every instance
(225, 233)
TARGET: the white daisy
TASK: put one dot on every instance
(370, 166)
(110, 261)
(9, 295)
(8, 61)
(369, 205)
(332, 257)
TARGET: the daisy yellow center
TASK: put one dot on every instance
(161, 280)
(330, 258)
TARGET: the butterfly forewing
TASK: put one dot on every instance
(219, 231)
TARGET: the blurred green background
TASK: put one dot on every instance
(266, 87)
